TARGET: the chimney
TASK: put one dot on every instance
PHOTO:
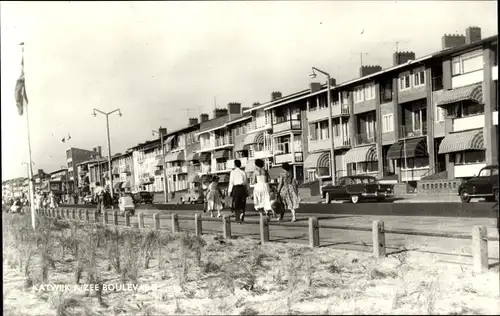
(275, 95)
(452, 40)
(203, 117)
(315, 86)
(234, 108)
(333, 82)
(99, 151)
(399, 58)
(220, 113)
(368, 70)
(40, 173)
(472, 34)
(255, 104)
(163, 131)
(193, 121)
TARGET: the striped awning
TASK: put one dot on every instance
(193, 156)
(415, 147)
(221, 154)
(178, 156)
(193, 177)
(204, 157)
(472, 92)
(361, 154)
(117, 185)
(126, 185)
(223, 178)
(169, 139)
(317, 160)
(469, 140)
(254, 138)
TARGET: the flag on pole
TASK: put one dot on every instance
(20, 93)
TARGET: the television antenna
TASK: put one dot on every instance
(361, 57)
(396, 43)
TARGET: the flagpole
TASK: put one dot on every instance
(30, 169)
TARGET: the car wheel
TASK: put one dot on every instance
(327, 198)
(354, 199)
(464, 196)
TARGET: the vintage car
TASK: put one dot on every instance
(89, 199)
(357, 188)
(193, 196)
(484, 185)
(143, 197)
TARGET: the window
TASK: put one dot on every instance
(367, 166)
(415, 163)
(440, 114)
(323, 102)
(358, 94)
(470, 157)
(370, 125)
(419, 78)
(465, 109)
(386, 92)
(467, 63)
(387, 123)
(404, 82)
(419, 116)
(313, 131)
(369, 91)
(323, 130)
(337, 129)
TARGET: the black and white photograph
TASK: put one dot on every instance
(250, 158)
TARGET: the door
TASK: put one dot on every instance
(482, 183)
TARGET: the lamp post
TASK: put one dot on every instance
(95, 111)
(165, 180)
(330, 121)
(29, 186)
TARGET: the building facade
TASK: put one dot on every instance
(122, 172)
(74, 156)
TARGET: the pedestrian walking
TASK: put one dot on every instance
(214, 197)
(261, 190)
(238, 190)
(288, 190)
(99, 197)
(52, 201)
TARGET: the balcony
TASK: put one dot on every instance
(437, 83)
(317, 114)
(125, 169)
(259, 152)
(467, 123)
(206, 168)
(340, 142)
(282, 125)
(256, 126)
(409, 131)
(362, 139)
(340, 110)
(289, 157)
(115, 171)
(221, 167)
(158, 172)
(319, 144)
(176, 170)
(413, 174)
(212, 144)
(466, 79)
(194, 168)
(230, 163)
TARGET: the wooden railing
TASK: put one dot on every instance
(479, 235)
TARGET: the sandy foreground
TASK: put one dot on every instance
(242, 277)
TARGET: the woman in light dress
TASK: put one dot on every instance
(214, 197)
(261, 190)
(288, 190)
(52, 201)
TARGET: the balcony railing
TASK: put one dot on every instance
(194, 169)
(260, 151)
(221, 166)
(125, 169)
(289, 157)
(437, 83)
(414, 131)
(469, 122)
(282, 125)
(115, 170)
(255, 125)
(362, 139)
(339, 142)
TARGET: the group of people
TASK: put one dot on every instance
(267, 201)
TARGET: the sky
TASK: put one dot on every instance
(163, 62)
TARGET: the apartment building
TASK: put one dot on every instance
(181, 147)
(146, 159)
(122, 172)
(74, 156)
(97, 172)
(59, 182)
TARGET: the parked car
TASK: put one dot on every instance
(484, 185)
(357, 188)
(143, 197)
(89, 199)
(193, 196)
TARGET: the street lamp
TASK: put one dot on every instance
(330, 122)
(109, 143)
(28, 171)
(165, 180)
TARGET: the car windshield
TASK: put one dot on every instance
(363, 180)
(485, 173)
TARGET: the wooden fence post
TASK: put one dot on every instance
(105, 217)
(115, 218)
(264, 229)
(127, 219)
(175, 223)
(140, 220)
(80, 214)
(68, 213)
(87, 216)
(198, 225)
(156, 221)
(226, 226)
(73, 213)
(313, 232)
(480, 248)
(378, 239)
(96, 216)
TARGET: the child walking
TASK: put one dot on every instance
(214, 198)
